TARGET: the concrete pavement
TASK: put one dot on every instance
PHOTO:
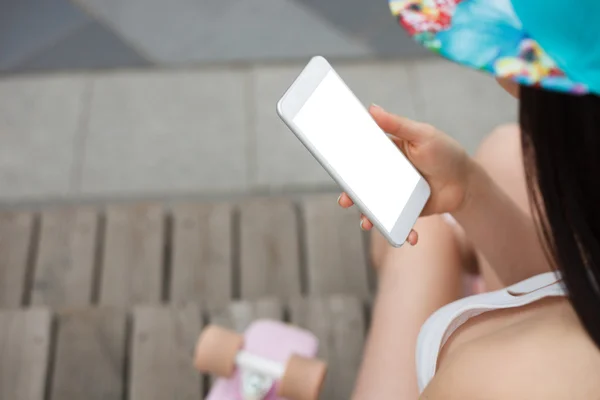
(59, 35)
(197, 131)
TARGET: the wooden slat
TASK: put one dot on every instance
(90, 355)
(335, 249)
(15, 237)
(133, 255)
(269, 250)
(238, 315)
(338, 322)
(24, 349)
(201, 268)
(162, 357)
(64, 268)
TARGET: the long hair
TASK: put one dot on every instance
(561, 150)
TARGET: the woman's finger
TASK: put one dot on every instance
(400, 127)
(345, 201)
(413, 237)
(365, 224)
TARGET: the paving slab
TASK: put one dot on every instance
(466, 104)
(281, 160)
(166, 132)
(370, 22)
(92, 46)
(278, 158)
(39, 120)
(390, 40)
(183, 31)
(384, 83)
(27, 26)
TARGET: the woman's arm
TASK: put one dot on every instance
(500, 229)
(502, 232)
(413, 283)
(418, 280)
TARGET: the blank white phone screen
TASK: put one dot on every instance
(340, 129)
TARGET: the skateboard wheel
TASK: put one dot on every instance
(302, 379)
(216, 351)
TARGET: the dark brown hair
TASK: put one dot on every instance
(561, 148)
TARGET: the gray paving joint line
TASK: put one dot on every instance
(79, 147)
(251, 137)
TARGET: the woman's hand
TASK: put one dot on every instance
(444, 164)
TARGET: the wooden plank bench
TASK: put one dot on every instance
(107, 353)
(26, 343)
(132, 254)
(107, 302)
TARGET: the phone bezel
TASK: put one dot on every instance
(288, 107)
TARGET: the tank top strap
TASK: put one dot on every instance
(538, 286)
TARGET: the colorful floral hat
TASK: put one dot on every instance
(552, 44)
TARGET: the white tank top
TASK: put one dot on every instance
(444, 322)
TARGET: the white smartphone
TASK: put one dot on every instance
(337, 129)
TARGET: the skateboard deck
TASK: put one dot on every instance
(273, 340)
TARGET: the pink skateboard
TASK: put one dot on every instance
(270, 361)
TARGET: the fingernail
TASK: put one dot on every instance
(361, 224)
(376, 106)
(339, 198)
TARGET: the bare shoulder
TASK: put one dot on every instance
(553, 360)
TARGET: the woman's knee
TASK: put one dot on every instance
(501, 156)
(499, 150)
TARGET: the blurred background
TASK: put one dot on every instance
(111, 99)
(151, 102)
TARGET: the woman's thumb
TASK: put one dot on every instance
(402, 128)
